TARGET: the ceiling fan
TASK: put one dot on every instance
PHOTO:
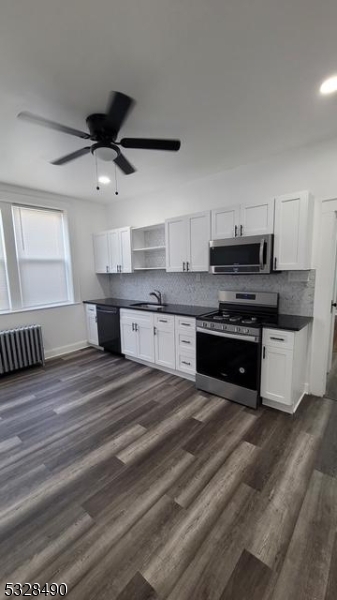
(103, 131)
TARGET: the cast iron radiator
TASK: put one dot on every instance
(21, 347)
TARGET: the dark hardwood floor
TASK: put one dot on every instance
(127, 483)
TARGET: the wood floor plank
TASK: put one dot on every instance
(170, 561)
(249, 579)
(126, 482)
(305, 571)
(137, 589)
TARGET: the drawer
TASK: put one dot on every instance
(185, 323)
(164, 322)
(185, 340)
(186, 362)
(278, 338)
(90, 309)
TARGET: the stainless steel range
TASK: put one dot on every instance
(229, 345)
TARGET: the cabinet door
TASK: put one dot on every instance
(276, 374)
(257, 218)
(293, 230)
(101, 252)
(128, 335)
(91, 319)
(125, 249)
(225, 222)
(114, 250)
(176, 244)
(164, 341)
(145, 337)
(199, 235)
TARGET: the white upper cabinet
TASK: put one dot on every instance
(251, 218)
(256, 218)
(176, 244)
(125, 250)
(101, 252)
(187, 243)
(112, 251)
(199, 235)
(293, 231)
(225, 222)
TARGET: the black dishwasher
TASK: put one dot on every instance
(108, 328)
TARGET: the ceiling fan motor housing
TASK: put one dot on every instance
(100, 128)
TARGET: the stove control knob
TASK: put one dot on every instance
(245, 330)
(212, 325)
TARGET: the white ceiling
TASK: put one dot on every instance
(235, 80)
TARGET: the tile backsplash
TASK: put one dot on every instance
(201, 289)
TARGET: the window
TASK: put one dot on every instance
(4, 287)
(42, 254)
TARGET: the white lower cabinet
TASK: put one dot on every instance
(164, 340)
(284, 368)
(91, 319)
(136, 329)
(185, 345)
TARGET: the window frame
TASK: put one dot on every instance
(13, 267)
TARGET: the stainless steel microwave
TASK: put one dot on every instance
(241, 255)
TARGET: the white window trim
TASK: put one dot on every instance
(13, 274)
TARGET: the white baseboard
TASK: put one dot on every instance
(65, 349)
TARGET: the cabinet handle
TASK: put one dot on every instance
(187, 266)
(162, 320)
(186, 324)
(133, 326)
(136, 327)
(241, 229)
(184, 362)
(264, 352)
(120, 268)
(184, 266)
(275, 263)
(277, 339)
(155, 331)
(186, 341)
(235, 231)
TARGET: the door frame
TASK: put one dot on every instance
(324, 289)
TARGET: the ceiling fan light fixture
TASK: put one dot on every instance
(105, 152)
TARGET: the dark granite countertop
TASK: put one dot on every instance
(286, 322)
(184, 310)
(289, 322)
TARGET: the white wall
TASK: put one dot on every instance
(312, 167)
(64, 327)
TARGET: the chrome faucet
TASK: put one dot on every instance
(157, 294)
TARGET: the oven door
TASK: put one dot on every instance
(229, 365)
(252, 254)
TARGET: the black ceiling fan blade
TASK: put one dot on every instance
(36, 120)
(150, 144)
(118, 109)
(72, 156)
(124, 164)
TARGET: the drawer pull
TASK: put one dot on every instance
(184, 362)
(186, 341)
(186, 324)
(277, 339)
(162, 320)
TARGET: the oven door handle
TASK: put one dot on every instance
(261, 253)
(233, 336)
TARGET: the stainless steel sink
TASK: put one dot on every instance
(149, 306)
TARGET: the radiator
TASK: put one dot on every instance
(20, 347)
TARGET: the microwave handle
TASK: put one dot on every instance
(261, 253)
